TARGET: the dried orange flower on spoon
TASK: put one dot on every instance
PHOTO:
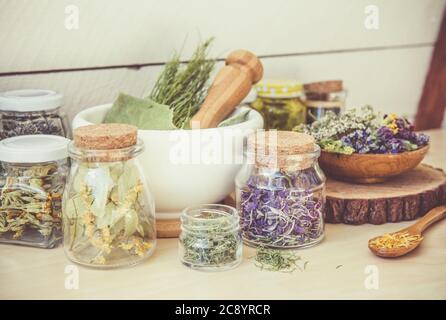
(396, 244)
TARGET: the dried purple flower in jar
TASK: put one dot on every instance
(281, 202)
(284, 217)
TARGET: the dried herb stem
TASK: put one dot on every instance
(278, 260)
(184, 89)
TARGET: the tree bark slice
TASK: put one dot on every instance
(402, 198)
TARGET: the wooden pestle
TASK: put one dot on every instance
(231, 85)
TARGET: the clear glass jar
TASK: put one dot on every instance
(108, 210)
(281, 196)
(318, 109)
(31, 189)
(280, 103)
(324, 96)
(28, 112)
(210, 238)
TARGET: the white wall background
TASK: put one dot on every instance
(306, 40)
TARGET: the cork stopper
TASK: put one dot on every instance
(105, 136)
(324, 86)
(282, 149)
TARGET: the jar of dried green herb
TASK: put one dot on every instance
(210, 238)
(108, 210)
(30, 111)
(33, 175)
(280, 191)
(280, 103)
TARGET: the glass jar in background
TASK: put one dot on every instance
(34, 171)
(280, 103)
(280, 191)
(32, 111)
(108, 211)
(322, 97)
(210, 238)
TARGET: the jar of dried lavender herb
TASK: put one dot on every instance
(26, 112)
(210, 238)
(33, 175)
(280, 191)
(108, 210)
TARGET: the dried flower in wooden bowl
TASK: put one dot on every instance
(366, 147)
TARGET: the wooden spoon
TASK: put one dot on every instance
(231, 85)
(417, 228)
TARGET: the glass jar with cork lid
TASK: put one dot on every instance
(108, 211)
(280, 191)
(323, 96)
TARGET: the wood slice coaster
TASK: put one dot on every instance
(168, 228)
(402, 198)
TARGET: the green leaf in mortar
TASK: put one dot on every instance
(235, 119)
(142, 113)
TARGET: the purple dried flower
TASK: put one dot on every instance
(280, 217)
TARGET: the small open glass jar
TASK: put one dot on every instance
(210, 238)
(31, 111)
(322, 97)
(280, 191)
(280, 103)
(33, 176)
(108, 211)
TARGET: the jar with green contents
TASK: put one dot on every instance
(280, 103)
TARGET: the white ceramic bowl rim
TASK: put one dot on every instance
(253, 116)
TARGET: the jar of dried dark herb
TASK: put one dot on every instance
(280, 191)
(322, 97)
(34, 171)
(27, 112)
(280, 103)
(210, 238)
(108, 210)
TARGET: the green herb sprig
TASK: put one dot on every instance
(279, 260)
(184, 88)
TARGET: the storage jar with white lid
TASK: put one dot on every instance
(32, 111)
(33, 175)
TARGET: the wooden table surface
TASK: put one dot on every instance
(341, 267)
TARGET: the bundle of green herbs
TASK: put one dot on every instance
(364, 131)
(175, 98)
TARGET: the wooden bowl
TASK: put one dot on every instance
(369, 168)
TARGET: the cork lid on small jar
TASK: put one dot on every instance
(282, 149)
(105, 136)
(324, 86)
(106, 142)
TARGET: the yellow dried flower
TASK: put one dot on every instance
(395, 240)
(99, 260)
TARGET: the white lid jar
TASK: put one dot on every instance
(33, 174)
(32, 111)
